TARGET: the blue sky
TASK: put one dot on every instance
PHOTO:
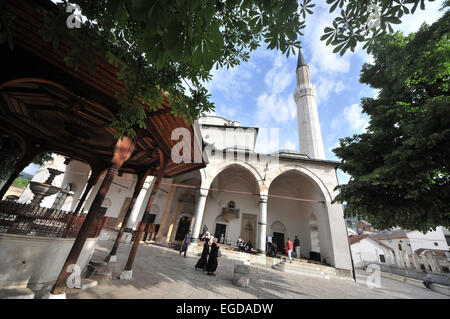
(260, 92)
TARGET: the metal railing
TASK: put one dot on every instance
(31, 220)
(438, 278)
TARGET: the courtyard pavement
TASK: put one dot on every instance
(160, 272)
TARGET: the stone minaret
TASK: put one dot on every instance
(305, 96)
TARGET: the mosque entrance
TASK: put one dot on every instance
(220, 230)
(248, 232)
(183, 227)
(278, 238)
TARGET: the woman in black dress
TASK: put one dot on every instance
(211, 266)
(202, 261)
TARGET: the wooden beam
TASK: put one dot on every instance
(124, 148)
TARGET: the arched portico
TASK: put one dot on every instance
(241, 183)
(296, 201)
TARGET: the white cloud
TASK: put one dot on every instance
(289, 145)
(326, 85)
(411, 23)
(323, 58)
(280, 76)
(232, 83)
(276, 105)
(275, 108)
(353, 116)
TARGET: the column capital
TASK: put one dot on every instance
(263, 199)
(203, 192)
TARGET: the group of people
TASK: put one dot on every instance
(290, 246)
(206, 234)
(244, 246)
(208, 260)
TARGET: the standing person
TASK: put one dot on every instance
(249, 247)
(203, 259)
(211, 266)
(269, 244)
(222, 238)
(427, 280)
(290, 248)
(274, 250)
(238, 243)
(207, 235)
(296, 244)
(205, 229)
(185, 243)
(242, 245)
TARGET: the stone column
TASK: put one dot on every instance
(163, 161)
(434, 263)
(398, 257)
(262, 224)
(198, 214)
(407, 262)
(137, 189)
(416, 261)
(93, 179)
(132, 220)
(425, 262)
(165, 218)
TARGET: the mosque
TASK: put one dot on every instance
(240, 193)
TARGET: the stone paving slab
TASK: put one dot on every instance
(160, 272)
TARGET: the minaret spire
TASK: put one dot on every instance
(305, 96)
(301, 59)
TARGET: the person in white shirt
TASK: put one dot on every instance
(269, 244)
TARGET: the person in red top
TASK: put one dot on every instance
(290, 247)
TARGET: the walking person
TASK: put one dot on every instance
(211, 266)
(185, 243)
(204, 258)
(290, 248)
(427, 280)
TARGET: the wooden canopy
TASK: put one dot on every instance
(44, 102)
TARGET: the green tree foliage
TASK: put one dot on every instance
(20, 182)
(167, 45)
(400, 167)
(10, 153)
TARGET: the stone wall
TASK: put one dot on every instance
(29, 261)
